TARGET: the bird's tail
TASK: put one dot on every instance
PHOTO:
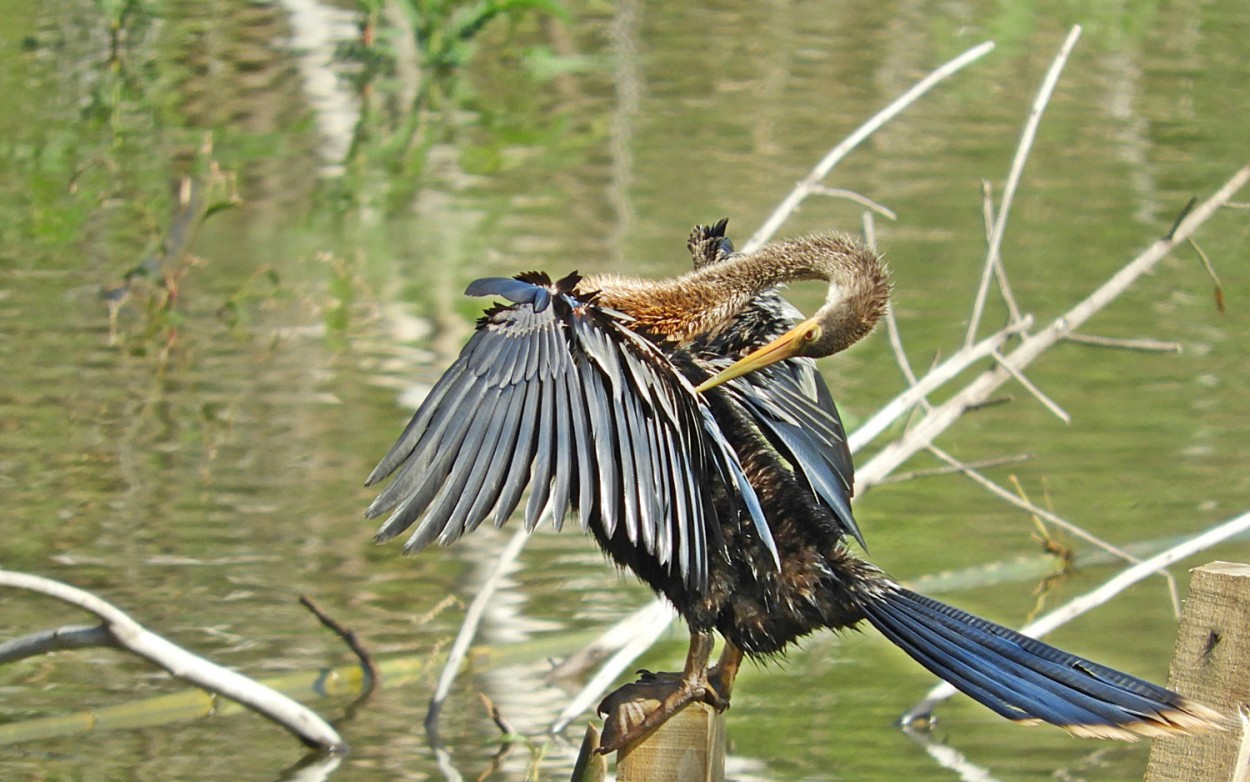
(1026, 680)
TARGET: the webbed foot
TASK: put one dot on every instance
(636, 709)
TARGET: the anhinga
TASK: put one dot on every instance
(685, 425)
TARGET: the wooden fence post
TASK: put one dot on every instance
(689, 747)
(1211, 664)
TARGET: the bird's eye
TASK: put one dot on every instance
(812, 334)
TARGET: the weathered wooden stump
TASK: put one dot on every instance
(690, 747)
(1211, 664)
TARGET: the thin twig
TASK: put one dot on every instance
(1145, 345)
(1046, 401)
(822, 169)
(951, 469)
(472, 618)
(851, 195)
(891, 323)
(1053, 518)
(496, 716)
(993, 258)
(1180, 218)
(1090, 600)
(133, 637)
(991, 402)
(1215, 278)
(923, 406)
(367, 663)
(1000, 270)
(900, 355)
(868, 224)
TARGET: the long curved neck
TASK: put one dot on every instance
(706, 299)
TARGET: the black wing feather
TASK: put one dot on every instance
(518, 460)
(561, 397)
(797, 410)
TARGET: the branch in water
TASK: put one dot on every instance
(125, 633)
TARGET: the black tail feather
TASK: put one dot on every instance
(1024, 679)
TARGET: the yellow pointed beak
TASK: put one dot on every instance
(788, 345)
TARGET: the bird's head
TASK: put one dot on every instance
(848, 315)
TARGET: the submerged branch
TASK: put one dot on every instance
(468, 629)
(128, 634)
(368, 665)
(58, 640)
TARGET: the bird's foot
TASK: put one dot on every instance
(636, 709)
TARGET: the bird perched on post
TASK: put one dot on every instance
(683, 423)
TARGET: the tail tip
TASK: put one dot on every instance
(1184, 718)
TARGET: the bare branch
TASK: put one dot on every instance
(1046, 401)
(1114, 586)
(58, 640)
(822, 169)
(472, 618)
(993, 258)
(1000, 271)
(1147, 345)
(133, 637)
(496, 716)
(1032, 346)
(367, 663)
(891, 323)
(851, 195)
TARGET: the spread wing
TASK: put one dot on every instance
(560, 396)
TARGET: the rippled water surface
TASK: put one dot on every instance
(198, 460)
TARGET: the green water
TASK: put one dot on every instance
(201, 466)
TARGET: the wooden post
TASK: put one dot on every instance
(590, 765)
(689, 747)
(1211, 664)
